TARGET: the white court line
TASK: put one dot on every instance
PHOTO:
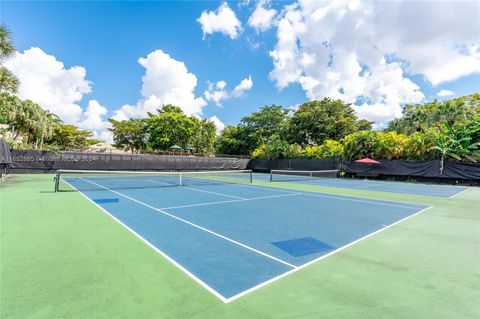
(194, 225)
(379, 184)
(344, 197)
(340, 197)
(364, 201)
(337, 184)
(270, 188)
(199, 190)
(230, 201)
(455, 195)
(195, 278)
(243, 293)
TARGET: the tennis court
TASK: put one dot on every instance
(229, 235)
(220, 246)
(326, 178)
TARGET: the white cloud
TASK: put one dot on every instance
(443, 93)
(218, 92)
(222, 20)
(218, 123)
(93, 119)
(244, 86)
(46, 81)
(262, 18)
(166, 81)
(361, 52)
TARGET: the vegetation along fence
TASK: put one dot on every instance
(32, 161)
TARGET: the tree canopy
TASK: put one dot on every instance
(130, 135)
(311, 124)
(70, 137)
(8, 82)
(39, 128)
(316, 121)
(439, 129)
(160, 131)
(170, 126)
(437, 114)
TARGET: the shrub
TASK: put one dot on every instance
(329, 149)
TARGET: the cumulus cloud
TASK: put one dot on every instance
(218, 123)
(46, 81)
(362, 52)
(443, 93)
(93, 119)
(263, 17)
(244, 86)
(166, 81)
(222, 20)
(218, 92)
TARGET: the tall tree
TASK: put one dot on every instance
(204, 136)
(237, 140)
(316, 121)
(130, 135)
(23, 117)
(8, 102)
(269, 120)
(253, 131)
(436, 114)
(69, 137)
(170, 127)
(27, 118)
(8, 82)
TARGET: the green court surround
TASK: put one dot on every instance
(61, 257)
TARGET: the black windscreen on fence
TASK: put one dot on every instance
(293, 164)
(424, 169)
(5, 156)
(31, 161)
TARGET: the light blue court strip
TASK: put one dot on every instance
(234, 238)
(375, 185)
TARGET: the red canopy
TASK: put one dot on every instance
(367, 160)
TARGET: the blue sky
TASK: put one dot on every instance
(282, 53)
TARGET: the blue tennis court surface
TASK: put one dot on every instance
(234, 238)
(373, 185)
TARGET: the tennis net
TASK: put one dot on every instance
(85, 180)
(294, 175)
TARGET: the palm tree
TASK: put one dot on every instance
(45, 129)
(457, 143)
(8, 82)
(22, 117)
(447, 147)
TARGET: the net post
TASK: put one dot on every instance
(57, 180)
(251, 176)
(271, 176)
(180, 181)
